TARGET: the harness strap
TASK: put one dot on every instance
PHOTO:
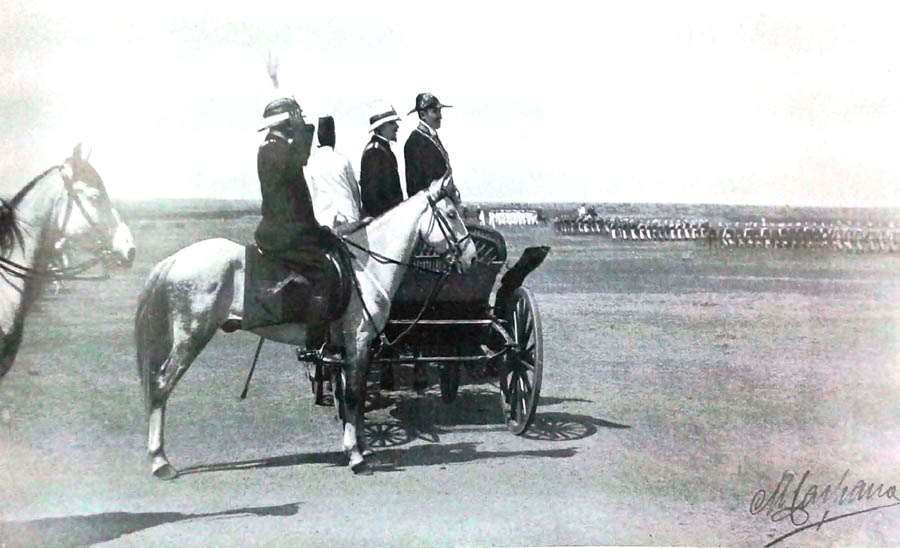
(386, 260)
(453, 244)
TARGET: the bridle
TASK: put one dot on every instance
(454, 245)
(101, 252)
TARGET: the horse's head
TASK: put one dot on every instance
(86, 217)
(445, 229)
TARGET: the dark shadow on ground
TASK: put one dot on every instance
(551, 400)
(332, 458)
(390, 460)
(97, 528)
(397, 460)
(566, 427)
(426, 416)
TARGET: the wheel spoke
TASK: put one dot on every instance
(528, 330)
(525, 383)
(530, 353)
(514, 398)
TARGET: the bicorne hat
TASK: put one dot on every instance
(425, 101)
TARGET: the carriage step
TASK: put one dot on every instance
(328, 358)
(307, 355)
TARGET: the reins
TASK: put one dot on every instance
(454, 245)
(55, 274)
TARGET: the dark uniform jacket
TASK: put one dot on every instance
(288, 229)
(426, 160)
(379, 179)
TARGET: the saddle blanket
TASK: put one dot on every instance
(276, 294)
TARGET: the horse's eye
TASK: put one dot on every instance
(452, 214)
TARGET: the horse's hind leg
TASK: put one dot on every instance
(185, 350)
(159, 464)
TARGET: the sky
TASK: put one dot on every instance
(782, 103)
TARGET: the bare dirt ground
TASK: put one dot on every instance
(678, 382)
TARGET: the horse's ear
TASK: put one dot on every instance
(81, 152)
(451, 191)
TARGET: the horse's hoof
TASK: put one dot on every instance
(368, 452)
(359, 466)
(166, 472)
(361, 469)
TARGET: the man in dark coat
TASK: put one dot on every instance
(288, 229)
(379, 178)
(426, 157)
(426, 160)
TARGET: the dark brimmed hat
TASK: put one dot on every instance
(279, 110)
(425, 101)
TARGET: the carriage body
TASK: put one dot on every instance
(455, 324)
(452, 323)
(459, 311)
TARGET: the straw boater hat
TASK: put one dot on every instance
(425, 101)
(279, 110)
(384, 113)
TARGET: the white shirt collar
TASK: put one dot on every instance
(427, 129)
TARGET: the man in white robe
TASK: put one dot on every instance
(332, 184)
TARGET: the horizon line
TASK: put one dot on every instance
(576, 202)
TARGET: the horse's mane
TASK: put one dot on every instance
(9, 228)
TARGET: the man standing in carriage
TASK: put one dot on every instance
(426, 160)
(379, 179)
(426, 157)
(333, 187)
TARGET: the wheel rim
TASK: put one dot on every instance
(520, 382)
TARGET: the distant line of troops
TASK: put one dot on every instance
(631, 228)
(863, 237)
(505, 217)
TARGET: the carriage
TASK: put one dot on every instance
(442, 318)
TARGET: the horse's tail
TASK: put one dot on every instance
(152, 337)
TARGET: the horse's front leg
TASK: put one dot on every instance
(354, 395)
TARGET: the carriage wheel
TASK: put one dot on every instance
(449, 382)
(520, 372)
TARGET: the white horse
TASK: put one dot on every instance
(67, 201)
(192, 293)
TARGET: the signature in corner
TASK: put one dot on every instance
(777, 506)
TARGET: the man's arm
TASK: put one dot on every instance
(414, 174)
(352, 190)
(375, 177)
